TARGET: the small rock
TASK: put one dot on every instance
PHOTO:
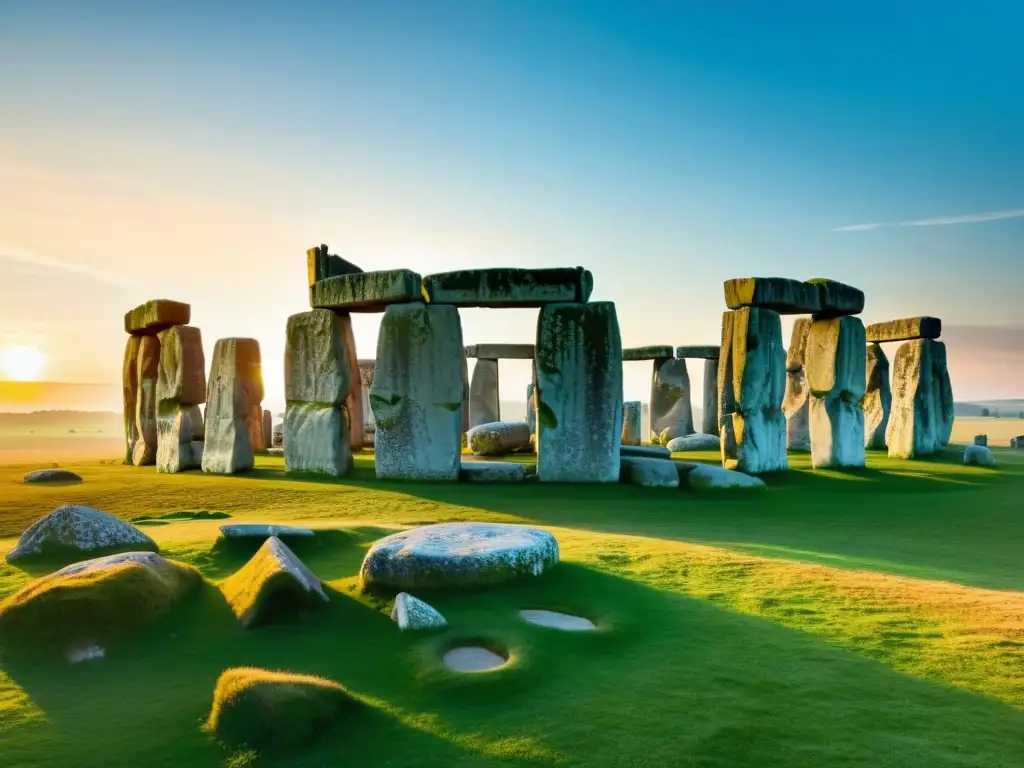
(649, 472)
(979, 455)
(74, 530)
(91, 653)
(410, 614)
(41, 476)
(704, 476)
(695, 442)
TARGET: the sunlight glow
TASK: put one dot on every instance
(24, 363)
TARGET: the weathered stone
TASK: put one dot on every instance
(263, 531)
(877, 401)
(531, 408)
(410, 613)
(509, 287)
(492, 472)
(318, 439)
(907, 329)
(645, 451)
(464, 409)
(354, 401)
(182, 368)
(268, 431)
(321, 265)
(458, 555)
(943, 391)
(796, 402)
(501, 351)
(1017, 442)
(176, 437)
(484, 405)
(979, 455)
(369, 425)
(708, 477)
(649, 473)
(273, 579)
(913, 423)
(709, 417)
(279, 435)
(74, 530)
(146, 404)
(366, 371)
(981, 440)
(836, 375)
(56, 476)
(366, 291)
(837, 299)
(695, 442)
(633, 354)
(670, 398)
(579, 393)
(751, 384)
(699, 352)
(417, 393)
(130, 395)
(154, 316)
(235, 389)
(499, 438)
(316, 359)
(779, 294)
(631, 423)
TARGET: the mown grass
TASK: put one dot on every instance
(815, 624)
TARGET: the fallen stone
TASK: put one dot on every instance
(671, 407)
(181, 371)
(981, 440)
(836, 375)
(316, 359)
(417, 393)
(74, 530)
(645, 451)
(877, 402)
(709, 418)
(699, 352)
(318, 439)
(649, 473)
(647, 353)
(779, 294)
(501, 351)
(943, 391)
(321, 265)
(837, 299)
(696, 442)
(509, 287)
(913, 423)
(235, 390)
(272, 581)
(556, 620)
(796, 403)
(708, 476)
(366, 291)
(54, 476)
(907, 329)
(499, 438)
(473, 659)
(130, 395)
(484, 405)
(154, 316)
(631, 412)
(458, 555)
(145, 406)
(492, 472)
(410, 614)
(262, 531)
(579, 393)
(979, 455)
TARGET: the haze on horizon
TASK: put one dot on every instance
(195, 152)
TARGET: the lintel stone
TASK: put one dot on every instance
(647, 353)
(837, 299)
(366, 291)
(157, 315)
(502, 351)
(906, 329)
(781, 294)
(699, 352)
(509, 287)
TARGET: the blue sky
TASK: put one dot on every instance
(195, 152)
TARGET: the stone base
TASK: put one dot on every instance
(318, 439)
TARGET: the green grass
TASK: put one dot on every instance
(865, 618)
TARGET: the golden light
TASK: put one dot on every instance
(24, 363)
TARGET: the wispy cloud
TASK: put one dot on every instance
(31, 259)
(940, 221)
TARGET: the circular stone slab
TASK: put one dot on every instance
(458, 555)
(473, 658)
(555, 620)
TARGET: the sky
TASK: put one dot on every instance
(194, 151)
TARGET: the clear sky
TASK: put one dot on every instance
(194, 150)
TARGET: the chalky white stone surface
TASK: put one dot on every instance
(556, 620)
(913, 429)
(411, 613)
(979, 455)
(473, 659)
(697, 442)
(707, 476)
(836, 375)
(81, 528)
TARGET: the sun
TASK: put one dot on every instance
(24, 363)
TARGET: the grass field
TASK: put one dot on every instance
(868, 618)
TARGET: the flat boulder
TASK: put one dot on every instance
(645, 451)
(509, 287)
(366, 291)
(781, 294)
(157, 315)
(699, 352)
(492, 472)
(499, 438)
(73, 531)
(262, 531)
(647, 353)
(409, 613)
(708, 476)
(906, 329)
(695, 442)
(451, 555)
(649, 473)
(979, 455)
(53, 476)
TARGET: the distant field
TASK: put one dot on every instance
(999, 431)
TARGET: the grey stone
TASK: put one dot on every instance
(177, 433)
(631, 423)
(579, 393)
(262, 531)
(499, 438)
(146, 403)
(492, 472)
(645, 451)
(318, 439)
(907, 329)
(837, 299)
(458, 555)
(796, 403)
(695, 442)
(709, 417)
(181, 372)
(57, 475)
(366, 291)
(411, 614)
(708, 477)
(649, 473)
(74, 530)
(316, 359)
(154, 316)
(979, 455)
(484, 405)
(751, 384)
(321, 265)
(633, 354)
(279, 435)
(699, 352)
(464, 410)
(354, 400)
(1017, 442)
(531, 408)
(509, 287)
(417, 393)
(130, 395)
(670, 398)
(913, 423)
(877, 402)
(943, 391)
(268, 431)
(366, 371)
(981, 440)
(234, 394)
(837, 376)
(502, 351)
(779, 294)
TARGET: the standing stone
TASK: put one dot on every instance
(631, 423)
(178, 447)
(579, 393)
(268, 430)
(353, 402)
(796, 404)
(234, 388)
(981, 440)
(877, 401)
(670, 398)
(943, 391)
(836, 375)
(709, 418)
(751, 386)
(181, 389)
(417, 393)
(464, 411)
(484, 407)
(130, 386)
(913, 423)
(145, 407)
(531, 407)
(317, 439)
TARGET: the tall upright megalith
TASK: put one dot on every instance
(913, 430)
(877, 400)
(709, 417)
(631, 413)
(796, 404)
(484, 407)
(579, 393)
(354, 401)
(130, 395)
(233, 392)
(671, 407)
(836, 365)
(145, 406)
(180, 390)
(943, 391)
(417, 392)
